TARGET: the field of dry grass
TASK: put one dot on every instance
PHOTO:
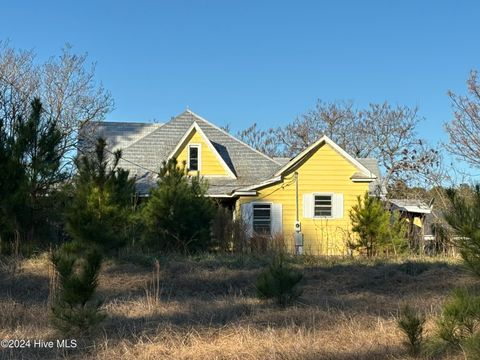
(207, 309)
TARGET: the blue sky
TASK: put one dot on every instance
(238, 62)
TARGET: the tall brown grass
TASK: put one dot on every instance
(205, 308)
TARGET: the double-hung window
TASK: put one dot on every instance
(262, 218)
(193, 157)
(322, 206)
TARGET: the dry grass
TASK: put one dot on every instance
(205, 308)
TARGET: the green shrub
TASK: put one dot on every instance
(411, 324)
(471, 347)
(75, 309)
(464, 217)
(101, 208)
(178, 214)
(279, 281)
(376, 230)
(460, 317)
(457, 327)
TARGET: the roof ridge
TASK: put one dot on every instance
(230, 135)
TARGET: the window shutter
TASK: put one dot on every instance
(308, 206)
(337, 208)
(277, 219)
(247, 217)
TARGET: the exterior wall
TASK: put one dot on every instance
(324, 171)
(209, 164)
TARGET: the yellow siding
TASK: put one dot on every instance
(209, 163)
(418, 221)
(324, 171)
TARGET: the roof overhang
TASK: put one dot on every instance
(262, 184)
(410, 206)
(413, 209)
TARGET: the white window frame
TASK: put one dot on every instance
(331, 205)
(253, 214)
(199, 153)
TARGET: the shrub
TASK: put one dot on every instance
(279, 281)
(178, 214)
(101, 209)
(229, 234)
(411, 324)
(78, 267)
(222, 229)
(471, 347)
(460, 317)
(457, 327)
(464, 217)
(376, 229)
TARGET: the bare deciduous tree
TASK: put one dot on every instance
(263, 141)
(389, 134)
(464, 129)
(65, 85)
(333, 119)
(380, 131)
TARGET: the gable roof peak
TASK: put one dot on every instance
(195, 127)
(324, 139)
(202, 119)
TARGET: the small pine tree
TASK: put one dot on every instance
(78, 267)
(101, 211)
(411, 324)
(279, 281)
(460, 317)
(377, 230)
(178, 214)
(458, 327)
(464, 217)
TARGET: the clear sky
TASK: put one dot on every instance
(238, 62)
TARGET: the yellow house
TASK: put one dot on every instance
(305, 199)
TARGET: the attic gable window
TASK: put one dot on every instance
(194, 157)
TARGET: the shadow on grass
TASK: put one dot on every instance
(24, 288)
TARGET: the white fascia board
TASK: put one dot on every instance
(263, 183)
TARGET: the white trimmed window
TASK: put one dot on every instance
(322, 206)
(262, 218)
(193, 157)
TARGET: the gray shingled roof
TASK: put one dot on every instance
(120, 135)
(376, 187)
(144, 147)
(143, 156)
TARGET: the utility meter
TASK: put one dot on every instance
(298, 226)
